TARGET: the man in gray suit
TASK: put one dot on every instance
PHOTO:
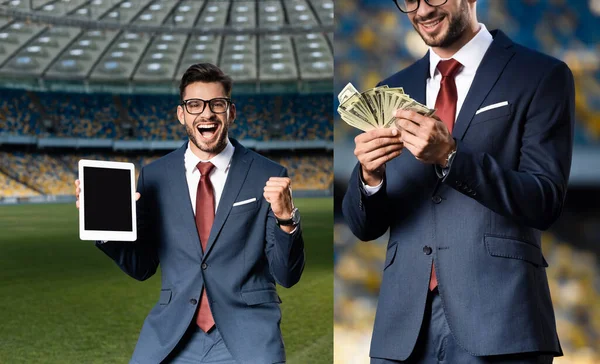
(220, 221)
(465, 195)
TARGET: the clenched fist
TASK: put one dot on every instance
(278, 192)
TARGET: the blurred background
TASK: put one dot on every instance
(98, 79)
(374, 40)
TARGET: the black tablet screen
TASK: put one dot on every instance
(107, 199)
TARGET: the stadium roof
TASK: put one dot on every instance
(156, 40)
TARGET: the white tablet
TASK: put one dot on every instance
(107, 201)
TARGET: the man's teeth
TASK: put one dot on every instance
(432, 24)
(207, 126)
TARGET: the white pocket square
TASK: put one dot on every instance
(490, 107)
(245, 201)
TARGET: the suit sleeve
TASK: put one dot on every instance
(285, 252)
(534, 193)
(139, 259)
(367, 217)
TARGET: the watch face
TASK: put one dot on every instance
(295, 216)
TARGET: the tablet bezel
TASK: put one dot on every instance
(106, 234)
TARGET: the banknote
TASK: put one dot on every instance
(375, 107)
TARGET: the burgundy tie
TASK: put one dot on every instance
(205, 215)
(445, 106)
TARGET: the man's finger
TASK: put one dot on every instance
(408, 126)
(375, 144)
(279, 179)
(374, 134)
(376, 154)
(413, 116)
(137, 196)
(411, 141)
(277, 183)
(383, 160)
(277, 189)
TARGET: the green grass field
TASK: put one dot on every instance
(63, 301)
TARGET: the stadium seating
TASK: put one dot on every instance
(154, 117)
(10, 187)
(18, 114)
(29, 174)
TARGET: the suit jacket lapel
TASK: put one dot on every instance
(417, 81)
(490, 69)
(240, 164)
(180, 195)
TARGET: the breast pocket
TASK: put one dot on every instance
(495, 114)
(245, 205)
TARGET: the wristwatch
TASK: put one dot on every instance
(292, 221)
(449, 158)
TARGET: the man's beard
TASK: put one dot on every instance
(456, 27)
(221, 139)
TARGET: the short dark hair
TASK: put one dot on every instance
(204, 72)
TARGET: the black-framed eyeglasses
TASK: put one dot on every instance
(409, 6)
(218, 105)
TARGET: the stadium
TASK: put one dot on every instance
(375, 33)
(98, 79)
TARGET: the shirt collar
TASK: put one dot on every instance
(470, 55)
(220, 161)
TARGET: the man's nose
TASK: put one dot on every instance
(207, 112)
(424, 9)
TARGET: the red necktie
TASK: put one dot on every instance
(445, 106)
(205, 215)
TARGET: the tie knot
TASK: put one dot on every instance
(449, 67)
(205, 168)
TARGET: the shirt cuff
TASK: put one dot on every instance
(371, 190)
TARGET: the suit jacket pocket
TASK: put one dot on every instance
(165, 296)
(244, 208)
(505, 247)
(263, 296)
(390, 255)
(493, 114)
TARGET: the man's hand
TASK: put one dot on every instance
(427, 138)
(374, 149)
(78, 190)
(278, 193)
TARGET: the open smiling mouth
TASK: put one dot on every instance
(431, 24)
(207, 130)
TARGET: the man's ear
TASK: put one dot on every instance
(232, 113)
(180, 114)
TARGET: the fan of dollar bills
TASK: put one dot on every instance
(375, 107)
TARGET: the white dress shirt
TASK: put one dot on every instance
(470, 56)
(218, 175)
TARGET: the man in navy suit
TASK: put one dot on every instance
(465, 195)
(220, 221)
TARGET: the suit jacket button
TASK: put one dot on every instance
(436, 199)
(204, 266)
(427, 250)
(193, 301)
